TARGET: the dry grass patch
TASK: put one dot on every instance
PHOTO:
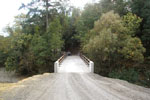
(5, 86)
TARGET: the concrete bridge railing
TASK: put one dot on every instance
(57, 63)
(88, 62)
(84, 58)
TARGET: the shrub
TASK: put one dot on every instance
(131, 75)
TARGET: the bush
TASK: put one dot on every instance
(134, 75)
(131, 75)
(4, 49)
(146, 80)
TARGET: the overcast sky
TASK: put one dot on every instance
(9, 9)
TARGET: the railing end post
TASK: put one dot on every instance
(91, 66)
(56, 65)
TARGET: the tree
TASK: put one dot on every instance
(146, 25)
(5, 43)
(110, 47)
(92, 12)
(54, 37)
(132, 22)
(37, 37)
(32, 54)
(89, 15)
(142, 9)
(18, 26)
(18, 58)
(51, 9)
(119, 6)
(72, 42)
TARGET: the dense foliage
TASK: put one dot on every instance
(110, 46)
(5, 43)
(34, 45)
(31, 54)
(118, 42)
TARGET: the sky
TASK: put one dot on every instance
(9, 9)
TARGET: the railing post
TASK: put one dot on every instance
(56, 65)
(89, 62)
(91, 66)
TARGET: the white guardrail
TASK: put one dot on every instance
(57, 63)
(85, 59)
(88, 62)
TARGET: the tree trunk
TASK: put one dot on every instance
(47, 15)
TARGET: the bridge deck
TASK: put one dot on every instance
(73, 64)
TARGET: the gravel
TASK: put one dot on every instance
(77, 85)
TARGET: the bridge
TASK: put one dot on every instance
(78, 64)
(74, 80)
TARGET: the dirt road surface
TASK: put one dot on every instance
(74, 86)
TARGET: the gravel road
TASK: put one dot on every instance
(74, 86)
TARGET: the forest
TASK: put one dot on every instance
(114, 34)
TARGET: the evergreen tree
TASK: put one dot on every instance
(142, 9)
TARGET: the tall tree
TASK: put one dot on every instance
(51, 9)
(46, 14)
(142, 9)
(110, 47)
(119, 6)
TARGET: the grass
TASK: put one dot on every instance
(5, 86)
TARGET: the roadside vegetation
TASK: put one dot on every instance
(4, 87)
(115, 34)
